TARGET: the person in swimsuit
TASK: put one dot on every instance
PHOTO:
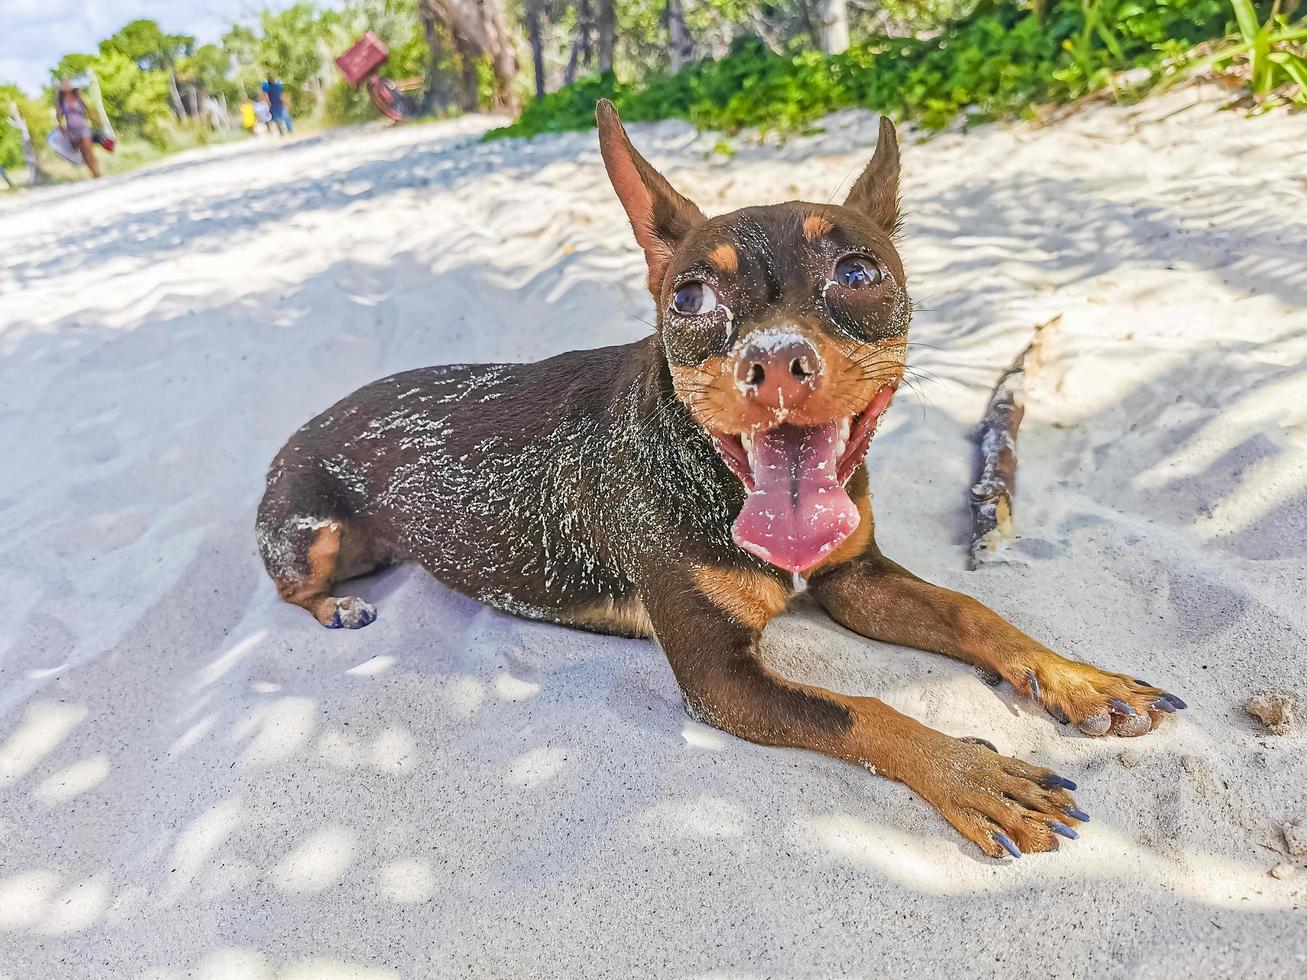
(74, 121)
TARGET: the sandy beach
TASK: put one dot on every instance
(196, 780)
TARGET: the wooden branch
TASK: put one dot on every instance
(996, 483)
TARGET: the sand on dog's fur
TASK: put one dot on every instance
(198, 780)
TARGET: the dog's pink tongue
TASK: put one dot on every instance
(797, 512)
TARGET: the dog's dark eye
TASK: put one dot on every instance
(694, 298)
(857, 272)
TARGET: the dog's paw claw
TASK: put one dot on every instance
(1054, 781)
(1075, 813)
(1001, 804)
(1095, 701)
(1062, 830)
(1096, 724)
(1005, 842)
(977, 740)
(351, 613)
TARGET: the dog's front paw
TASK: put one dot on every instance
(1002, 805)
(1096, 701)
(349, 613)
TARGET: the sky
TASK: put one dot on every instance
(35, 34)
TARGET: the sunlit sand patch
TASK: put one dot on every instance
(372, 666)
(197, 731)
(700, 736)
(72, 781)
(407, 882)
(47, 903)
(929, 863)
(282, 727)
(230, 657)
(535, 767)
(340, 749)
(394, 750)
(316, 863)
(464, 695)
(41, 673)
(198, 842)
(44, 725)
(514, 689)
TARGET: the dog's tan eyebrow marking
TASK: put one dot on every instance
(814, 226)
(725, 258)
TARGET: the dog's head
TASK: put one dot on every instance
(785, 330)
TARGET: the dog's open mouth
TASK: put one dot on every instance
(797, 511)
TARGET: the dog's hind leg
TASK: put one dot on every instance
(307, 553)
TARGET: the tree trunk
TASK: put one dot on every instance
(438, 95)
(680, 45)
(834, 25)
(467, 56)
(479, 29)
(607, 34)
(584, 30)
(569, 73)
(537, 53)
(175, 96)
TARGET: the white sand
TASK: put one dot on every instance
(197, 780)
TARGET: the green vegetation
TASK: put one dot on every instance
(720, 64)
(1272, 51)
(1000, 60)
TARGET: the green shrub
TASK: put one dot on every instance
(1000, 60)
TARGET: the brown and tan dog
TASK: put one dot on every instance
(674, 487)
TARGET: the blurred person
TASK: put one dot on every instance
(263, 114)
(74, 121)
(276, 96)
(248, 119)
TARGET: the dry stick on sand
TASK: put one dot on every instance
(991, 495)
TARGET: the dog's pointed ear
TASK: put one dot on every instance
(876, 192)
(659, 215)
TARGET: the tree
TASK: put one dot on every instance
(146, 44)
(607, 33)
(537, 50)
(479, 32)
(35, 114)
(208, 69)
(834, 27)
(290, 46)
(680, 45)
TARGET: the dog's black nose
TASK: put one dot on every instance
(778, 370)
